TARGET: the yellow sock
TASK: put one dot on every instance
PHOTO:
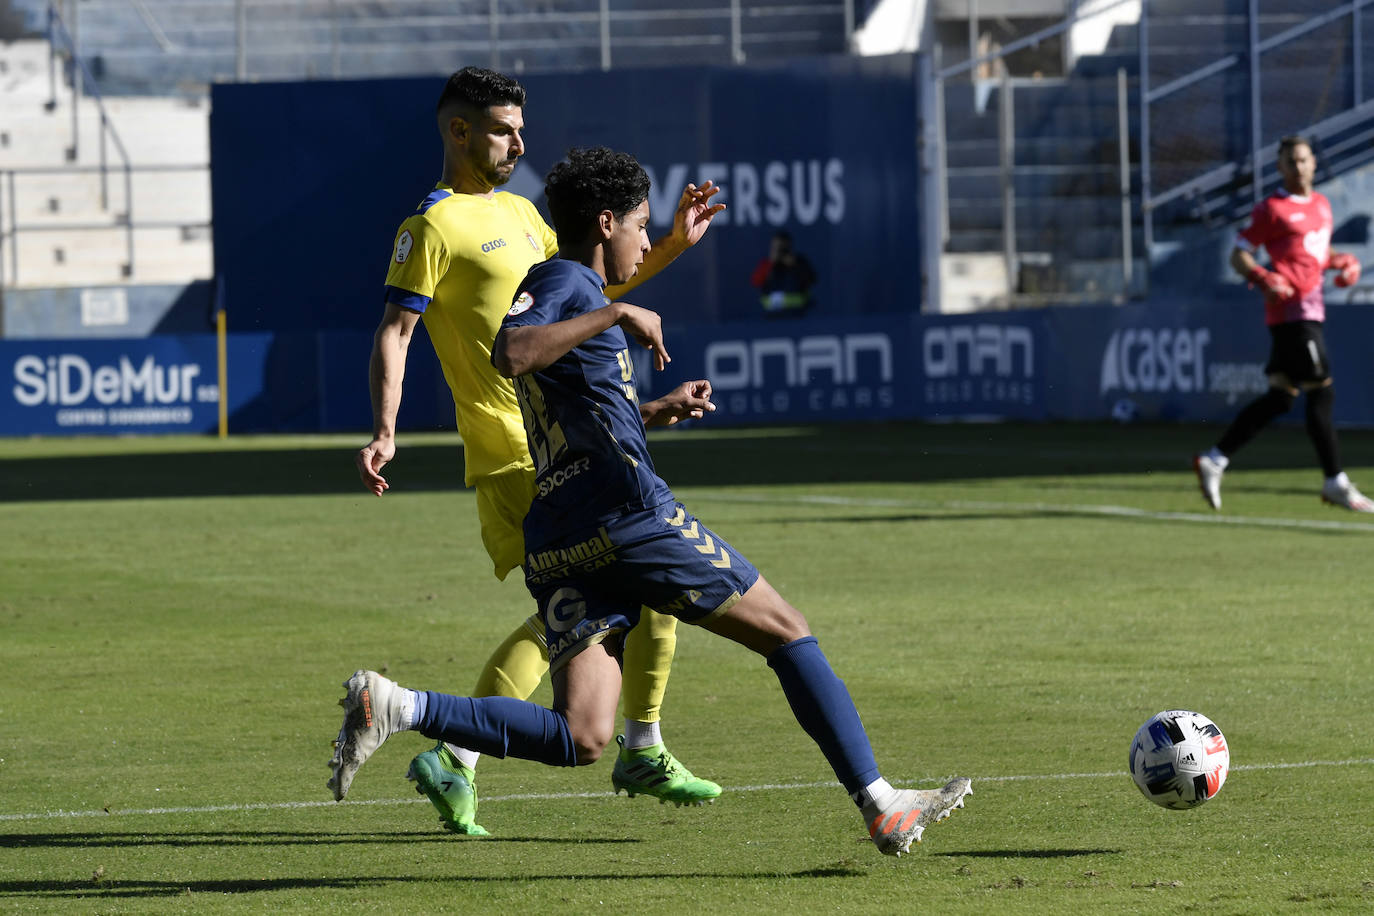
(518, 664)
(649, 649)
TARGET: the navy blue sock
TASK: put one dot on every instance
(824, 710)
(499, 726)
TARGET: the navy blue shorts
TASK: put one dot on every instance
(590, 585)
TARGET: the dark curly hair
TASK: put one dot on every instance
(476, 89)
(589, 181)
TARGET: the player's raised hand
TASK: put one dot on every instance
(694, 211)
(688, 401)
(370, 460)
(647, 328)
(1349, 267)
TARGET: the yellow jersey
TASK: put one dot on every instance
(457, 261)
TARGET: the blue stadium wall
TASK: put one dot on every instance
(312, 179)
(1164, 360)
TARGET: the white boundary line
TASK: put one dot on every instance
(565, 796)
(1106, 511)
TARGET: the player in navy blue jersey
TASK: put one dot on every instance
(605, 535)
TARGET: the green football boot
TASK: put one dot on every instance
(655, 771)
(450, 786)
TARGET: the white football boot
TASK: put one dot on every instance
(898, 824)
(1346, 497)
(1209, 479)
(372, 713)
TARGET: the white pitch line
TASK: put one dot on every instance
(566, 796)
(1107, 511)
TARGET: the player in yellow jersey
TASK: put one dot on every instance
(457, 262)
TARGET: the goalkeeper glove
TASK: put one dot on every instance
(1349, 267)
(1274, 284)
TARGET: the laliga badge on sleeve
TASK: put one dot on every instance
(403, 246)
(522, 303)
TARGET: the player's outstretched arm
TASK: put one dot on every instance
(690, 222)
(688, 401)
(522, 350)
(386, 371)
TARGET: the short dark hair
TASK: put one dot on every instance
(1287, 143)
(477, 89)
(588, 181)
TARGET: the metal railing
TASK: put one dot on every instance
(61, 42)
(1207, 124)
(1002, 88)
(1220, 188)
(11, 229)
(243, 40)
(64, 53)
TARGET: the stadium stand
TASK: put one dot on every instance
(1066, 177)
(151, 61)
(88, 202)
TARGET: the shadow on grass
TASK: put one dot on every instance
(101, 889)
(101, 839)
(1027, 853)
(868, 453)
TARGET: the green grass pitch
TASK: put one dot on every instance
(1005, 602)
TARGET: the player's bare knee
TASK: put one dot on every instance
(587, 754)
(589, 746)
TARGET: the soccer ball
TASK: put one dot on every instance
(1179, 759)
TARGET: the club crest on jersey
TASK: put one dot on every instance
(522, 303)
(403, 245)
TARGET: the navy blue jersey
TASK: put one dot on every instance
(581, 414)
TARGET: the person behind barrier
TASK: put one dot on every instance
(784, 278)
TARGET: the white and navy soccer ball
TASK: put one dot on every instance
(1179, 759)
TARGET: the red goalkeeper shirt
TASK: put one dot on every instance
(1296, 232)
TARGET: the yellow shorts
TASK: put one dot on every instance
(502, 501)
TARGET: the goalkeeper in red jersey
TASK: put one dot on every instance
(1293, 226)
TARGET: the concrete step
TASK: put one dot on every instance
(58, 198)
(1037, 151)
(971, 282)
(101, 256)
(1052, 182)
(158, 131)
(23, 71)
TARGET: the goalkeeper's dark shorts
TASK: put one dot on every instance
(1299, 352)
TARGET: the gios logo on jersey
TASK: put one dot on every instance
(523, 303)
(404, 242)
(488, 247)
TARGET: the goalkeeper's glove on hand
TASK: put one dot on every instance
(1274, 284)
(1349, 267)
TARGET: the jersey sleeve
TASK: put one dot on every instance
(1259, 230)
(548, 237)
(541, 300)
(418, 260)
